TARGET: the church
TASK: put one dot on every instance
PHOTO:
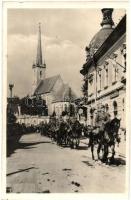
(58, 95)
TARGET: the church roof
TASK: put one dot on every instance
(46, 85)
(65, 94)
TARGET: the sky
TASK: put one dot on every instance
(65, 34)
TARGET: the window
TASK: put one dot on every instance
(123, 52)
(116, 73)
(91, 115)
(123, 104)
(115, 108)
(66, 108)
(106, 77)
(114, 68)
(40, 74)
(99, 80)
(106, 107)
(91, 84)
(106, 74)
(123, 112)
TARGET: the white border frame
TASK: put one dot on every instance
(58, 4)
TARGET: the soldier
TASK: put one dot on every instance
(101, 121)
(115, 126)
(102, 118)
(61, 132)
(76, 130)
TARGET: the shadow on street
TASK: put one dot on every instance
(115, 162)
(83, 148)
(21, 145)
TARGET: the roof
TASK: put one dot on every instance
(46, 85)
(99, 38)
(107, 27)
(64, 94)
(115, 35)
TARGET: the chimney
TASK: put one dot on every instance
(107, 21)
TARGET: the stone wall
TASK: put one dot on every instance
(32, 120)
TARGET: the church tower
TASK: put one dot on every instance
(39, 68)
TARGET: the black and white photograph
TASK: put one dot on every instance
(66, 100)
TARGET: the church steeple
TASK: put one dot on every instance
(39, 49)
(39, 68)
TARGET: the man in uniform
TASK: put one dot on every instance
(62, 132)
(76, 130)
(101, 121)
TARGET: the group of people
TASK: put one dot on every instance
(105, 134)
(66, 132)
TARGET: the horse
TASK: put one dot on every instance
(110, 138)
(75, 134)
(95, 139)
(104, 139)
(62, 133)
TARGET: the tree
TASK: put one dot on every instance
(33, 106)
(85, 89)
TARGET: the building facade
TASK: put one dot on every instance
(105, 70)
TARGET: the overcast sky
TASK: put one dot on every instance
(65, 34)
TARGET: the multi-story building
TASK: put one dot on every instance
(105, 69)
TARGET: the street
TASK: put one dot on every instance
(38, 165)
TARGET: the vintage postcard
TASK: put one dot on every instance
(65, 100)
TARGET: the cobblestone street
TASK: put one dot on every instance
(38, 165)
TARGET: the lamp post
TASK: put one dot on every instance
(11, 92)
(11, 89)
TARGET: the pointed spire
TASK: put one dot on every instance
(39, 61)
